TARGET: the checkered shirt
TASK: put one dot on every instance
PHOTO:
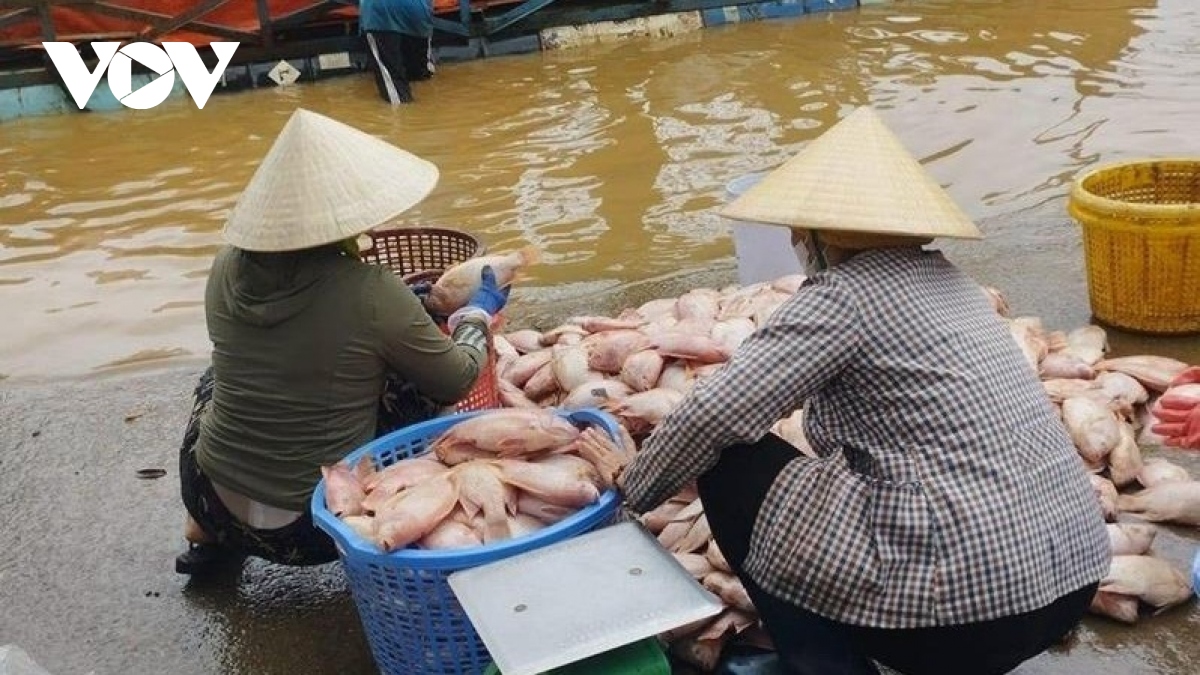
(948, 490)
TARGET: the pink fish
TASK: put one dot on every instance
(696, 565)
(512, 396)
(457, 284)
(656, 520)
(1157, 470)
(343, 493)
(607, 351)
(1154, 372)
(521, 525)
(717, 558)
(1131, 538)
(526, 340)
(701, 304)
(641, 412)
(403, 474)
(1093, 428)
(1106, 493)
(450, 533)
(1123, 388)
(789, 284)
(1125, 460)
(521, 370)
(564, 334)
(363, 526)
(601, 324)
(999, 302)
(541, 509)
(731, 333)
(641, 371)
(511, 432)
(1174, 502)
(1123, 608)
(730, 589)
(414, 513)
(699, 348)
(595, 393)
(482, 489)
(1060, 390)
(570, 364)
(1064, 365)
(655, 309)
(677, 375)
(1088, 344)
(550, 483)
(543, 383)
(1152, 580)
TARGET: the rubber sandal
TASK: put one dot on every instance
(200, 558)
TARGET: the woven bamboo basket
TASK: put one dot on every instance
(1141, 237)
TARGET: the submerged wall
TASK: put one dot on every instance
(42, 99)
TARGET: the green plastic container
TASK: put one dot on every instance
(645, 657)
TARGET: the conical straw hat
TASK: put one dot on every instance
(323, 181)
(855, 178)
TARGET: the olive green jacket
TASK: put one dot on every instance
(302, 344)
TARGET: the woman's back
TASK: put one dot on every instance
(298, 370)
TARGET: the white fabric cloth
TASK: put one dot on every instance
(255, 514)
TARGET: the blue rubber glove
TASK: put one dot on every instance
(421, 289)
(490, 297)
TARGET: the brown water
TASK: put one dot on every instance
(610, 159)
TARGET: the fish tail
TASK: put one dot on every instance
(530, 255)
(1129, 503)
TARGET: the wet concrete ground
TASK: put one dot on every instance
(87, 583)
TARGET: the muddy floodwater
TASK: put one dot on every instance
(610, 159)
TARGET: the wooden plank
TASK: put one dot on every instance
(155, 19)
(265, 29)
(14, 17)
(47, 23)
(37, 3)
(183, 19)
(303, 16)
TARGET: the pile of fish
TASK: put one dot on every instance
(640, 364)
(682, 528)
(501, 474)
(1106, 405)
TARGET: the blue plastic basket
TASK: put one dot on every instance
(1196, 575)
(414, 623)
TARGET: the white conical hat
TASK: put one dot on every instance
(323, 181)
(856, 178)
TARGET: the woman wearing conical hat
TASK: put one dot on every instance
(306, 337)
(947, 523)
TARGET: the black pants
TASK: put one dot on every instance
(397, 60)
(809, 644)
(301, 542)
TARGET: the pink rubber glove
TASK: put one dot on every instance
(1189, 376)
(1178, 414)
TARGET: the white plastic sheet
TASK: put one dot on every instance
(14, 661)
(764, 252)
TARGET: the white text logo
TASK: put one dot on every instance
(179, 57)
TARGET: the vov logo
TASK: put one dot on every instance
(179, 57)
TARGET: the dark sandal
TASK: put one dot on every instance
(201, 558)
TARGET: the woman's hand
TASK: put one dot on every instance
(609, 459)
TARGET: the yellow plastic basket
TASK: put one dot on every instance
(1141, 237)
